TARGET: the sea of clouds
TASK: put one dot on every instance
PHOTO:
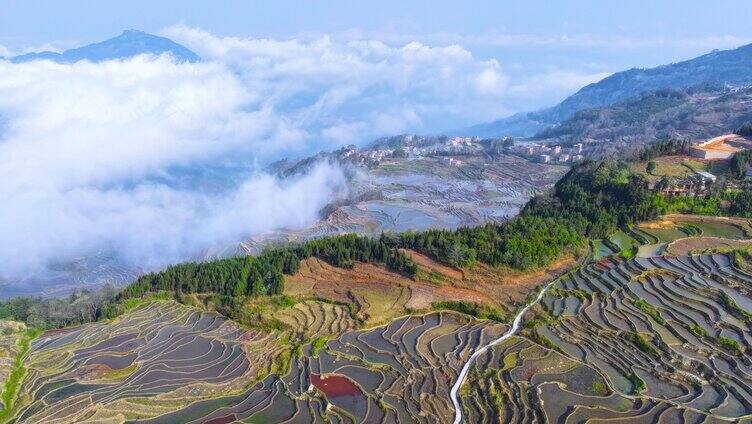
(93, 155)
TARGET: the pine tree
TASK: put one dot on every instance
(258, 288)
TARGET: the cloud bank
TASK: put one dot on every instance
(352, 90)
(155, 160)
(112, 156)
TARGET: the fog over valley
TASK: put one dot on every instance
(94, 154)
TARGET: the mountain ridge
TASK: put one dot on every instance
(128, 44)
(724, 67)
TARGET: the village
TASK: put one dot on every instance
(703, 170)
(544, 153)
(452, 150)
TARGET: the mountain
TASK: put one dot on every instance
(728, 67)
(128, 44)
(695, 113)
(523, 124)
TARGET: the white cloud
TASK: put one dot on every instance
(151, 225)
(491, 81)
(325, 82)
(102, 123)
(580, 40)
(118, 156)
(91, 157)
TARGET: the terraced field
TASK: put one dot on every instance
(662, 340)
(677, 235)
(11, 335)
(426, 192)
(655, 338)
(318, 319)
(155, 359)
(377, 295)
(401, 372)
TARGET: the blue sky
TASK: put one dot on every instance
(36, 21)
(26, 22)
(584, 36)
(578, 36)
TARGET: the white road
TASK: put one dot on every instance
(480, 351)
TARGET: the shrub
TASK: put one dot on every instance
(731, 345)
(476, 310)
(642, 343)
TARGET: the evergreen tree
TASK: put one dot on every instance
(258, 288)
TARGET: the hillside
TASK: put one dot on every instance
(523, 124)
(437, 182)
(695, 113)
(732, 67)
(346, 337)
(128, 44)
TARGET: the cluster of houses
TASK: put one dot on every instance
(412, 146)
(448, 146)
(548, 154)
(717, 148)
(695, 185)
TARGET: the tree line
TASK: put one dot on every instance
(264, 274)
(597, 198)
(82, 306)
(592, 199)
(745, 130)
(664, 147)
(739, 163)
(521, 243)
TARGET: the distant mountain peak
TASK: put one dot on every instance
(129, 43)
(723, 67)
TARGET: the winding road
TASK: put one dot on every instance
(463, 373)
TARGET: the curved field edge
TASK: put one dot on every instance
(13, 383)
(415, 358)
(402, 339)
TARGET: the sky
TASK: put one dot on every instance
(694, 22)
(570, 42)
(154, 160)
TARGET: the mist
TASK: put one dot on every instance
(110, 157)
(114, 156)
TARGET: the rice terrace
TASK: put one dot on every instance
(680, 325)
(375, 212)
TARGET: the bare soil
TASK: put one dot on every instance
(380, 294)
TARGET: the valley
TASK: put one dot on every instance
(430, 182)
(444, 183)
(681, 323)
(624, 308)
(585, 263)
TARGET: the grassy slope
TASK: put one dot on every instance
(10, 390)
